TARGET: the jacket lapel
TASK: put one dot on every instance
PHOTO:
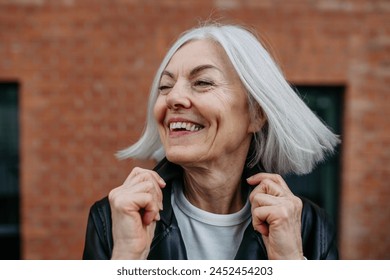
(168, 242)
(252, 246)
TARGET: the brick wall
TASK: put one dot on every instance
(85, 67)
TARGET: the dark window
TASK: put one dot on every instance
(322, 185)
(9, 172)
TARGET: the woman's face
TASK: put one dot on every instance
(202, 109)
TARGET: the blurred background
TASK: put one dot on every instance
(74, 82)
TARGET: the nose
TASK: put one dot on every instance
(178, 97)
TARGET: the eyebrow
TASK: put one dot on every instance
(201, 68)
(194, 71)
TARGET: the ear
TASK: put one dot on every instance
(258, 119)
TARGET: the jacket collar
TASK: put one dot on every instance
(170, 171)
(251, 247)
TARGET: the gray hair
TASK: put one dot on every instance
(293, 140)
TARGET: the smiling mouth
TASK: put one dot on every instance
(185, 126)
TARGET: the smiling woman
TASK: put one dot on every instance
(228, 124)
(199, 88)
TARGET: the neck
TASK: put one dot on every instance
(216, 189)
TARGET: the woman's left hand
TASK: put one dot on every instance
(276, 214)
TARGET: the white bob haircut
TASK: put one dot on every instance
(293, 140)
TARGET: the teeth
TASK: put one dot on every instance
(184, 125)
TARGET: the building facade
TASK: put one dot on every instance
(74, 82)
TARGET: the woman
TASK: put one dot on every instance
(228, 124)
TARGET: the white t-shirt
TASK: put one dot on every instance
(209, 236)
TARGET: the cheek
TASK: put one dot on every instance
(159, 111)
(236, 118)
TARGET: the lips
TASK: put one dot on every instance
(184, 126)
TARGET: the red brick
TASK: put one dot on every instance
(85, 70)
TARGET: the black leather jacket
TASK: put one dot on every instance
(318, 234)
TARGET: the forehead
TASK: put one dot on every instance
(199, 52)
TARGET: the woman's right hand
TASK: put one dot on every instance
(135, 208)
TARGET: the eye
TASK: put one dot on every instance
(203, 84)
(164, 89)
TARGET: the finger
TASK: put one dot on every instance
(159, 179)
(261, 199)
(259, 177)
(149, 216)
(138, 177)
(133, 197)
(270, 187)
(146, 206)
(140, 174)
(149, 187)
(125, 193)
(259, 219)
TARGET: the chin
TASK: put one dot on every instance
(181, 156)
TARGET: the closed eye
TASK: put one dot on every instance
(164, 89)
(204, 84)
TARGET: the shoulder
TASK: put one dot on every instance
(98, 240)
(318, 232)
(101, 211)
(311, 212)
(101, 215)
